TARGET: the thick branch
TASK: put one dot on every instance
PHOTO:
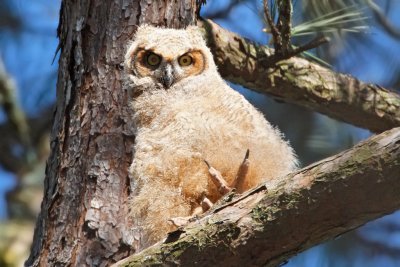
(265, 227)
(303, 83)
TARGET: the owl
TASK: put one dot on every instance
(192, 131)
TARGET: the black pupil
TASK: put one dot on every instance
(185, 60)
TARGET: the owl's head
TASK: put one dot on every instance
(167, 56)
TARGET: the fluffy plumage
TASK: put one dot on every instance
(197, 117)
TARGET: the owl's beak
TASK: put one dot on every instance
(167, 78)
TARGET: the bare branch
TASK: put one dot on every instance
(301, 82)
(274, 30)
(284, 24)
(319, 202)
(317, 41)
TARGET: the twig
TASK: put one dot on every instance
(284, 25)
(317, 41)
(281, 34)
(274, 30)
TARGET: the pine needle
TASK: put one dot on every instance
(348, 19)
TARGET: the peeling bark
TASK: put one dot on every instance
(83, 219)
(268, 224)
(303, 83)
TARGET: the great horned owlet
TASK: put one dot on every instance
(187, 118)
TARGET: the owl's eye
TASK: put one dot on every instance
(153, 59)
(185, 60)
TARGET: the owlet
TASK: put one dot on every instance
(187, 122)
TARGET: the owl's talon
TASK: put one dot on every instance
(182, 221)
(242, 172)
(206, 204)
(218, 180)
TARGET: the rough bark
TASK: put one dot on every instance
(302, 82)
(83, 219)
(270, 223)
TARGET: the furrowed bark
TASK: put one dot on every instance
(84, 213)
(302, 82)
(268, 224)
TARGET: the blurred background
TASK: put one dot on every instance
(365, 42)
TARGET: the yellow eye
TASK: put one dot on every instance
(153, 59)
(185, 60)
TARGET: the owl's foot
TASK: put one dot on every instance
(205, 205)
(220, 182)
(223, 188)
(179, 222)
(242, 172)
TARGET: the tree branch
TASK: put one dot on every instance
(265, 227)
(301, 82)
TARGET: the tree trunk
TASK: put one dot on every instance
(83, 219)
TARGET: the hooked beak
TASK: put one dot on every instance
(167, 78)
